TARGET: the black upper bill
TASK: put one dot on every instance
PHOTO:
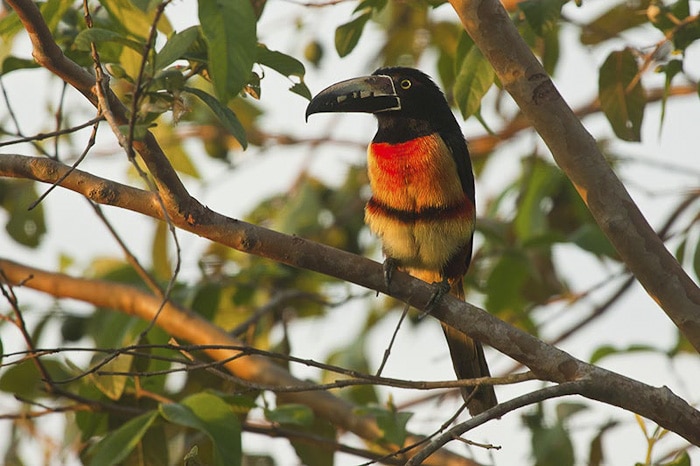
(368, 94)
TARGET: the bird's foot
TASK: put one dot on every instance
(440, 289)
(389, 266)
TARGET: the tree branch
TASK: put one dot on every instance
(547, 362)
(188, 325)
(576, 152)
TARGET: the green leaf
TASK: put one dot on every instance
(280, 62)
(505, 282)
(391, 422)
(596, 456)
(567, 409)
(696, 260)
(619, 18)
(610, 350)
(225, 115)
(118, 444)
(310, 454)
(686, 35)
(474, 79)
(540, 181)
(97, 35)
(113, 385)
(209, 414)
(12, 63)
(552, 446)
(680, 251)
(302, 90)
(134, 19)
(681, 459)
(285, 65)
(541, 15)
(229, 29)
(25, 381)
(623, 107)
(348, 35)
(176, 46)
(591, 238)
(671, 69)
(295, 414)
(159, 252)
(25, 226)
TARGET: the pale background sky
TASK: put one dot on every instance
(418, 355)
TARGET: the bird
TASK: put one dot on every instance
(422, 204)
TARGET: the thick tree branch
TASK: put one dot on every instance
(189, 326)
(576, 152)
(547, 362)
(47, 54)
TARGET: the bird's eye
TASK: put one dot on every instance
(405, 84)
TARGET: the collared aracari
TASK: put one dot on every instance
(422, 203)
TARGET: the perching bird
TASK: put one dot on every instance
(422, 204)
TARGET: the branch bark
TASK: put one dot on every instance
(576, 152)
(547, 362)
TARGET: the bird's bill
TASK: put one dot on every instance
(367, 94)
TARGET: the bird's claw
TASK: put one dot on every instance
(440, 289)
(389, 267)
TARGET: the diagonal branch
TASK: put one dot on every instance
(576, 152)
(547, 362)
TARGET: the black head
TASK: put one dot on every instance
(405, 101)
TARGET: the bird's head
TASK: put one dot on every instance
(390, 94)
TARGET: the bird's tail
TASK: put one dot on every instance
(469, 362)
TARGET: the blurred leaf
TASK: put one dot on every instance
(294, 414)
(353, 357)
(552, 446)
(542, 15)
(225, 115)
(505, 282)
(206, 299)
(348, 35)
(309, 453)
(543, 179)
(671, 69)
(696, 260)
(609, 350)
(619, 18)
(210, 415)
(24, 380)
(680, 251)
(118, 444)
(567, 409)
(229, 28)
(681, 459)
(134, 19)
(13, 63)
(172, 144)
(73, 328)
(391, 422)
(113, 385)
(474, 79)
(687, 34)
(176, 46)
(591, 238)
(159, 252)
(27, 227)
(98, 35)
(595, 455)
(623, 106)
(154, 449)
